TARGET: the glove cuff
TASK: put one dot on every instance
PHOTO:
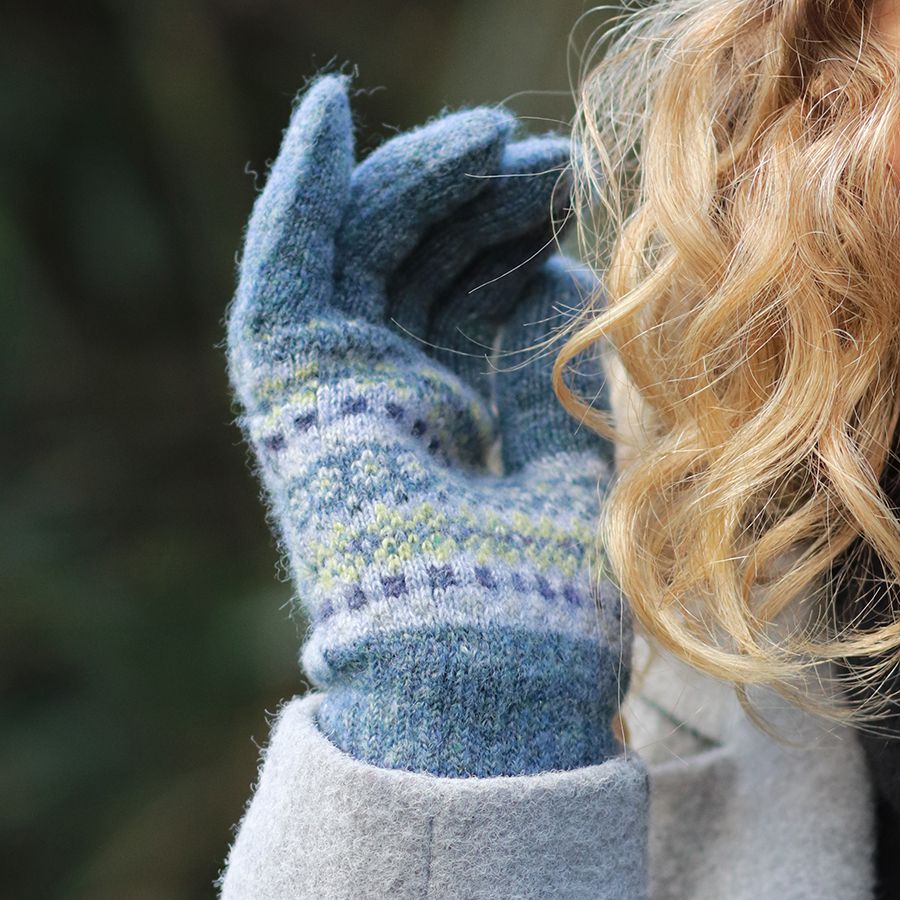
(474, 701)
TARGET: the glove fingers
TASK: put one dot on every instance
(533, 423)
(524, 195)
(464, 324)
(408, 184)
(288, 257)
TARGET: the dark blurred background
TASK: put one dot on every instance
(145, 624)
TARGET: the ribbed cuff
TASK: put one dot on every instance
(474, 700)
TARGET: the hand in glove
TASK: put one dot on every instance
(454, 622)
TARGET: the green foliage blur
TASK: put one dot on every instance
(146, 626)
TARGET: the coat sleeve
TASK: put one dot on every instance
(323, 825)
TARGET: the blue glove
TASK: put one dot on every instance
(453, 622)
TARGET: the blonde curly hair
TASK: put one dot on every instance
(734, 188)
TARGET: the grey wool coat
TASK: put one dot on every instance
(704, 806)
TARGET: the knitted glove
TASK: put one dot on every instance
(452, 617)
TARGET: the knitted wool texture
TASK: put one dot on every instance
(453, 611)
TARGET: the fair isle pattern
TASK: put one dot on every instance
(452, 616)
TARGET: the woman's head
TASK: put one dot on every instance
(736, 191)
